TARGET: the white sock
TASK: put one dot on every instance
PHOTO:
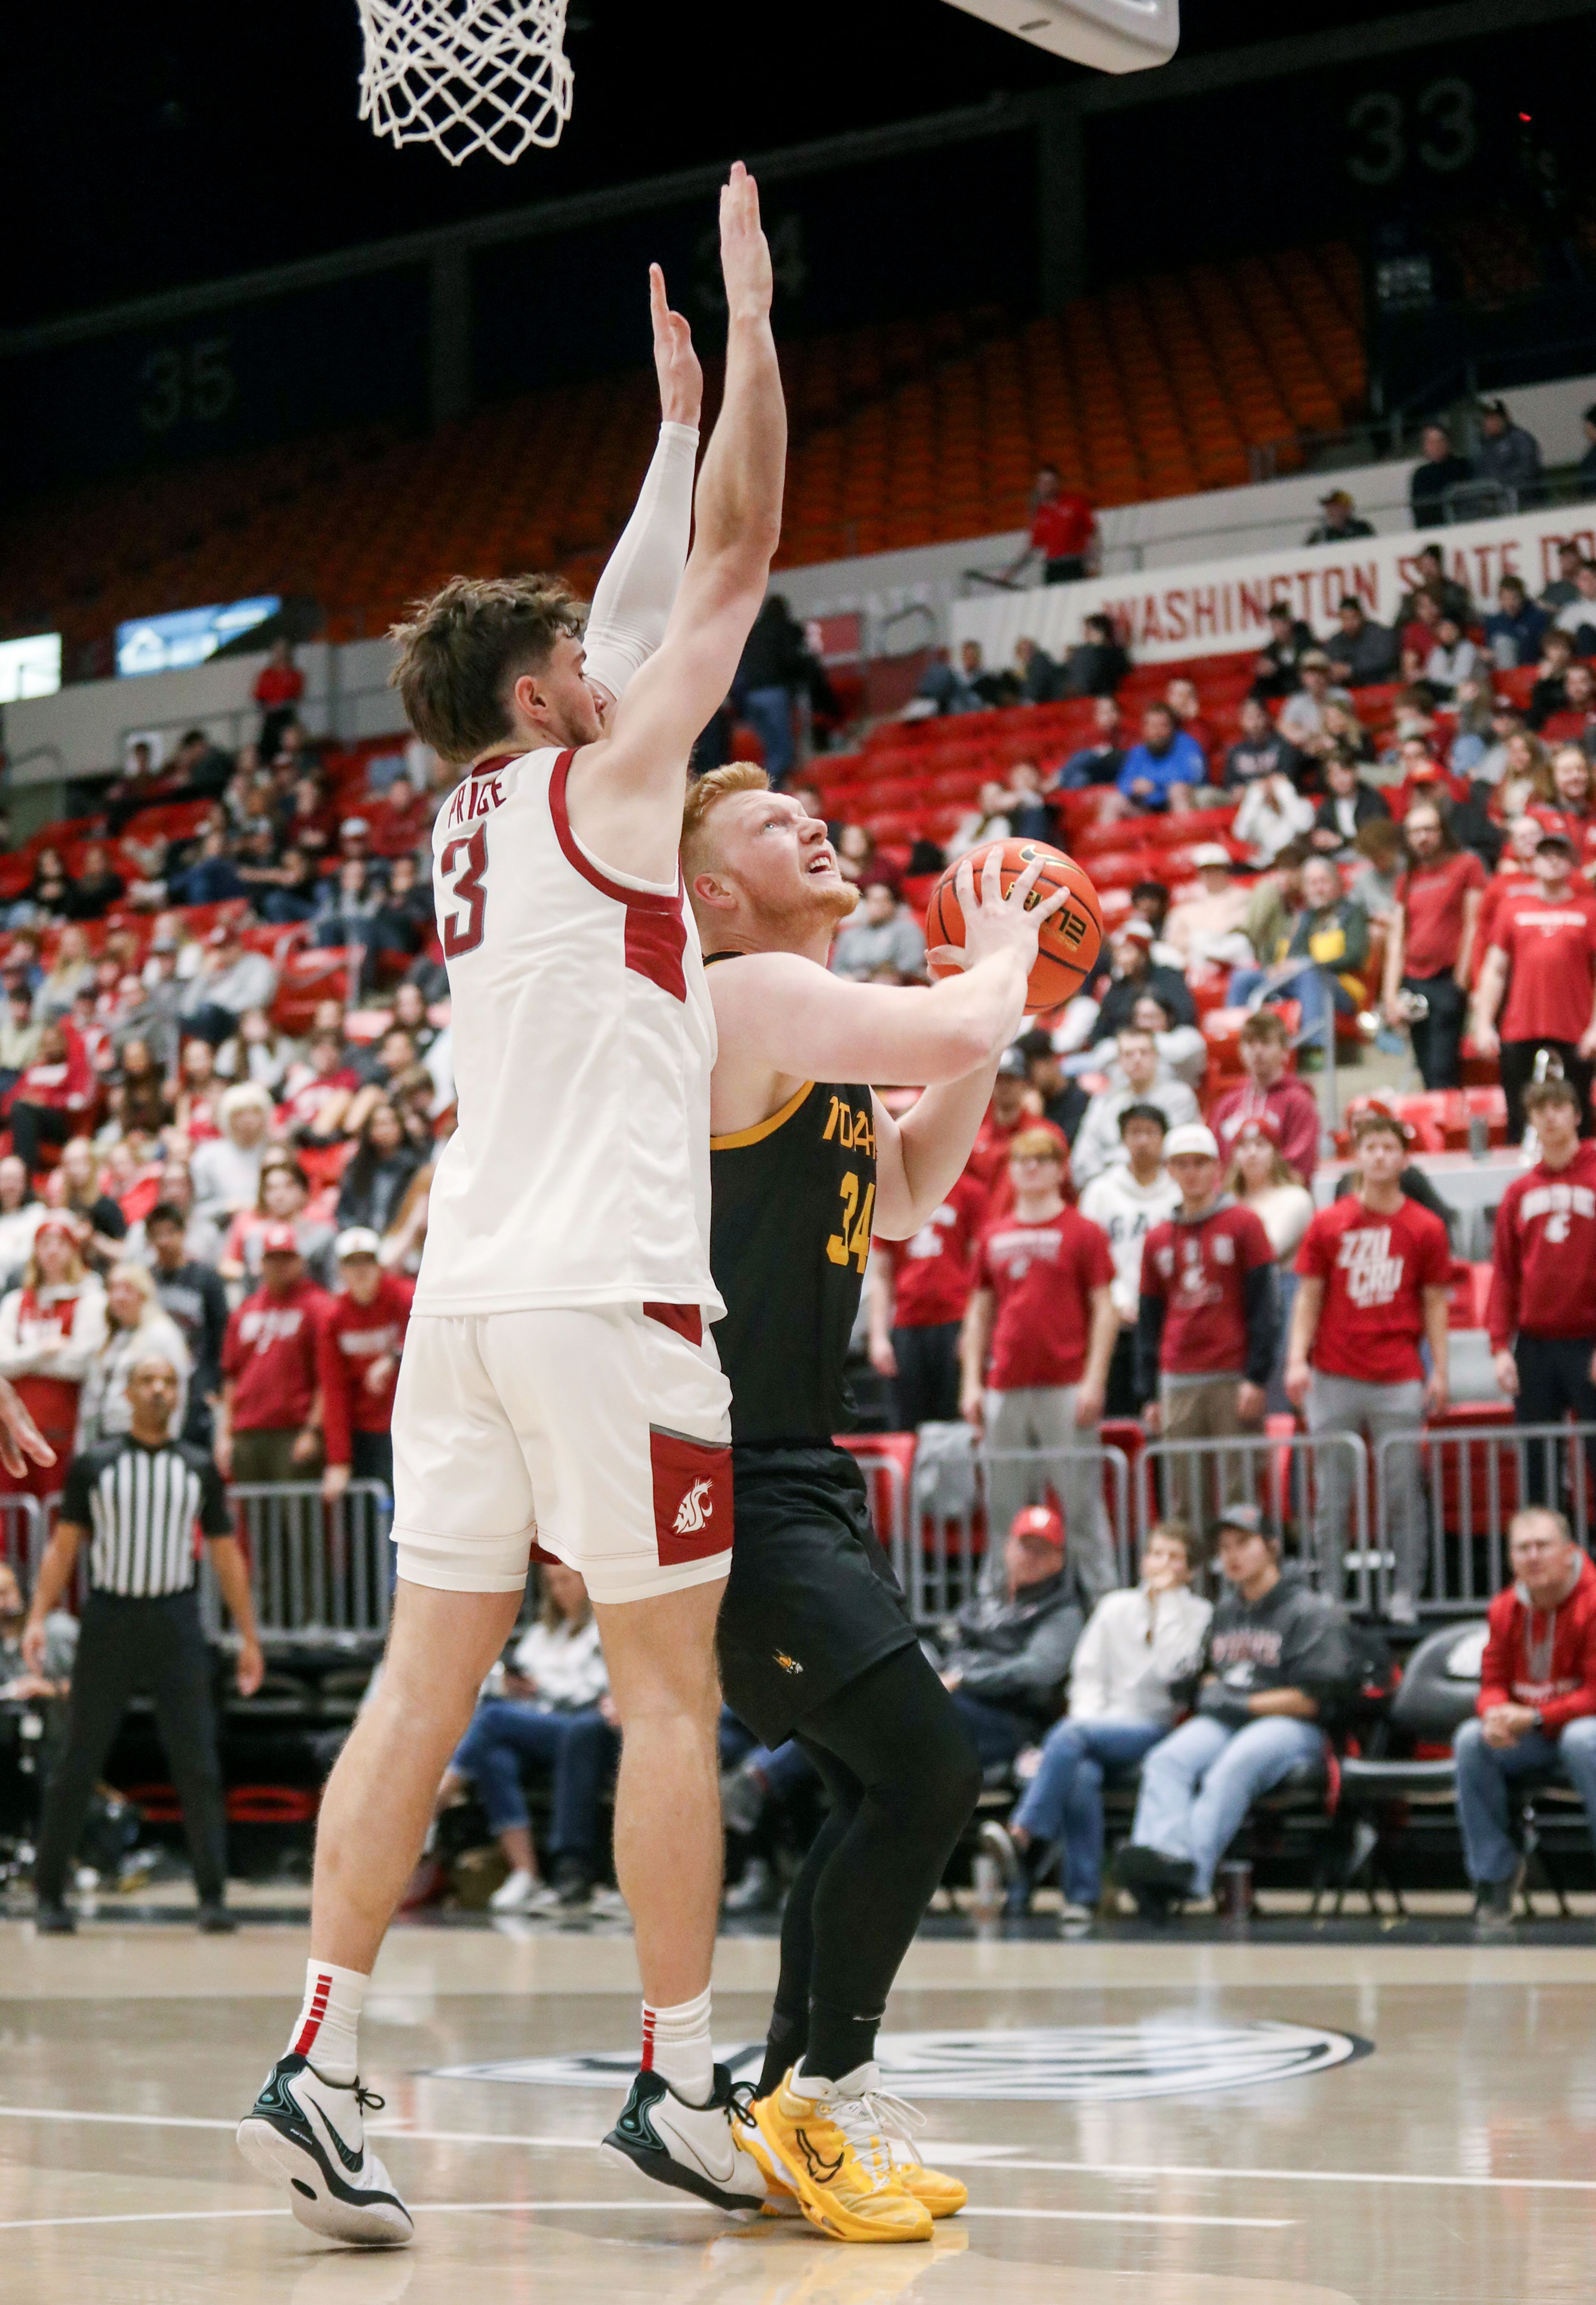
(677, 2046)
(860, 2082)
(328, 2027)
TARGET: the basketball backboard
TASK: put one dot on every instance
(1116, 35)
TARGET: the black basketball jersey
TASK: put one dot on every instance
(791, 1206)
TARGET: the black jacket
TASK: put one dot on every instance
(773, 655)
(1291, 1639)
(1016, 1654)
(1366, 805)
(1428, 484)
(1040, 682)
(1281, 657)
(1094, 668)
(194, 1298)
(1247, 763)
(1119, 1000)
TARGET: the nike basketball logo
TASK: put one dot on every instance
(821, 2170)
(694, 1511)
(788, 1663)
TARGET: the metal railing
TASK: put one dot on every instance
(945, 1552)
(1286, 1477)
(1475, 1477)
(316, 1570)
(22, 1535)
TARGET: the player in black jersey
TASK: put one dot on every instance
(815, 1639)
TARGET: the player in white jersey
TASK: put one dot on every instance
(559, 1389)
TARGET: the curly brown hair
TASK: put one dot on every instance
(462, 651)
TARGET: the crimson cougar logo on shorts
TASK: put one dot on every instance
(696, 1508)
(692, 1497)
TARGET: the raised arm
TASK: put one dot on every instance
(638, 590)
(626, 791)
(782, 1014)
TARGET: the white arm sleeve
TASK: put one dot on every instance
(638, 589)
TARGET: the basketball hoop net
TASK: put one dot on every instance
(467, 75)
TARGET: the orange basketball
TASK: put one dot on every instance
(1071, 938)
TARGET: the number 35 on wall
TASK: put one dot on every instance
(187, 384)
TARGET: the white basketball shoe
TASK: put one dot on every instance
(691, 2146)
(309, 2134)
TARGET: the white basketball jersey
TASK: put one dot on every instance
(584, 1043)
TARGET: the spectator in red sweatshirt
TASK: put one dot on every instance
(268, 1427)
(1373, 1273)
(397, 819)
(1542, 1310)
(52, 1094)
(1014, 1105)
(919, 1288)
(1265, 1051)
(361, 1340)
(1537, 1704)
(279, 688)
(1210, 1314)
(1542, 956)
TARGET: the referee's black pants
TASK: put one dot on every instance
(125, 1646)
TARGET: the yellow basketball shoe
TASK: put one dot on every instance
(942, 2195)
(832, 2153)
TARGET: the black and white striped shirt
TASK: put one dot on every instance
(140, 1505)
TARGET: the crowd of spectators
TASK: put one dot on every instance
(188, 1171)
(1377, 780)
(188, 1176)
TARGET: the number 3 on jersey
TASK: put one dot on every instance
(464, 862)
(853, 1239)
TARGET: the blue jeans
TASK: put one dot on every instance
(1198, 1785)
(1275, 1400)
(1483, 1772)
(997, 1733)
(768, 713)
(1307, 988)
(1064, 1801)
(579, 1748)
(282, 911)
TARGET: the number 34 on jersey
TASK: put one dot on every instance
(853, 1130)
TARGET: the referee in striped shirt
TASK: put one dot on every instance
(135, 1500)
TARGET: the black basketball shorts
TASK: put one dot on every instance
(811, 1602)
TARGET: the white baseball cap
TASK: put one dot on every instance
(1191, 1136)
(359, 1240)
(1211, 852)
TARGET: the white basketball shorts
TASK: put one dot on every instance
(597, 1435)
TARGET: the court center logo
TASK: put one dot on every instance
(1076, 2065)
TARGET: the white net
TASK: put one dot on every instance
(467, 75)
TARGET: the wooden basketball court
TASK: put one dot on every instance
(1187, 2123)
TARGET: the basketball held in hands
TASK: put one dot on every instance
(1071, 938)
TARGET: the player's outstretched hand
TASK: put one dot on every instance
(19, 1434)
(675, 363)
(744, 254)
(997, 922)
